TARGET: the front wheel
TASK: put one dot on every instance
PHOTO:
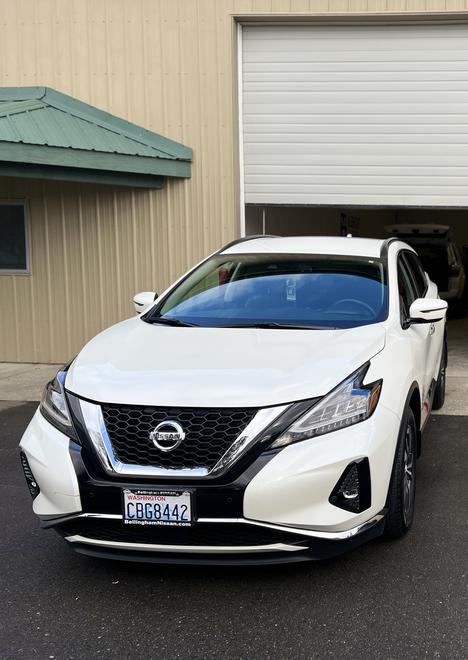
(401, 494)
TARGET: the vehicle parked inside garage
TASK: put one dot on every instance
(267, 407)
(441, 258)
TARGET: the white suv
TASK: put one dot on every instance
(267, 407)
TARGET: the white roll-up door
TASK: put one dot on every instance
(356, 115)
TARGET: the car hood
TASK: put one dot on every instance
(155, 365)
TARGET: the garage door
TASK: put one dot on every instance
(356, 115)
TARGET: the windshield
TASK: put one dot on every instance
(303, 290)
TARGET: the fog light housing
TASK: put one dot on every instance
(32, 483)
(353, 489)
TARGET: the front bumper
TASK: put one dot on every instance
(277, 510)
(292, 547)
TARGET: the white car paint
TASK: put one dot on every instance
(137, 363)
(48, 452)
(289, 490)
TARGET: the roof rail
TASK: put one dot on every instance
(244, 239)
(385, 246)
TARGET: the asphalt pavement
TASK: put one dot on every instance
(389, 600)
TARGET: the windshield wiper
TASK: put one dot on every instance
(274, 326)
(167, 320)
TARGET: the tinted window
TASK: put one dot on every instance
(417, 272)
(320, 290)
(406, 288)
(435, 261)
(13, 244)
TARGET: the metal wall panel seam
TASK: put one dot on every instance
(100, 259)
(109, 81)
(117, 253)
(50, 326)
(83, 271)
(16, 319)
(66, 277)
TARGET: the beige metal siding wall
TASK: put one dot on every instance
(169, 66)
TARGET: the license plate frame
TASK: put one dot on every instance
(156, 507)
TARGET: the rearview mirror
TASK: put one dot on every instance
(427, 310)
(144, 300)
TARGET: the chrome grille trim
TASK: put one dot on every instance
(97, 432)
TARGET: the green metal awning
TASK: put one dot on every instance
(45, 134)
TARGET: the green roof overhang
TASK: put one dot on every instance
(46, 134)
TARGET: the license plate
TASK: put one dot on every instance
(155, 507)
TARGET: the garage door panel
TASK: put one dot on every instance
(365, 149)
(369, 114)
(368, 78)
(305, 92)
(366, 180)
(366, 185)
(390, 200)
(359, 32)
(352, 137)
(339, 47)
(357, 56)
(254, 122)
(360, 159)
(372, 99)
(349, 109)
(304, 131)
(349, 67)
(458, 174)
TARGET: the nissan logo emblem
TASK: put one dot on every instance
(167, 435)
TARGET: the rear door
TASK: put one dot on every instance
(431, 334)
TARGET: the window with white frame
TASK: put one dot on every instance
(14, 257)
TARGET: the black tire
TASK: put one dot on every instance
(402, 490)
(439, 394)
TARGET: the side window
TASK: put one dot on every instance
(212, 282)
(14, 256)
(417, 271)
(406, 288)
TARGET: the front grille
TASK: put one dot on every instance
(209, 434)
(201, 534)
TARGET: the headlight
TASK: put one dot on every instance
(54, 405)
(349, 403)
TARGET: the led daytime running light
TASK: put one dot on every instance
(348, 404)
(54, 406)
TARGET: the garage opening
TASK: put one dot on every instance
(351, 129)
(440, 236)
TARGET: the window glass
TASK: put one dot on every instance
(435, 261)
(318, 290)
(13, 243)
(417, 272)
(406, 288)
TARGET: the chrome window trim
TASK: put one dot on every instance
(97, 432)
